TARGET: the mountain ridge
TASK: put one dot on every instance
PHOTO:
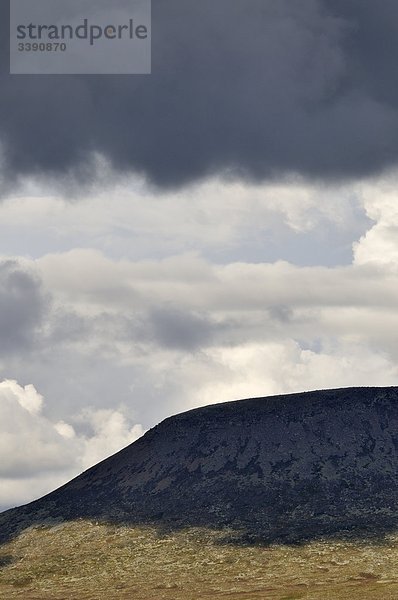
(279, 468)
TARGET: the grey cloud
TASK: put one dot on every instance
(22, 307)
(160, 327)
(68, 327)
(181, 330)
(253, 87)
(281, 313)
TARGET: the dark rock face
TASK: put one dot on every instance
(290, 468)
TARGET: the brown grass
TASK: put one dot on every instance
(84, 561)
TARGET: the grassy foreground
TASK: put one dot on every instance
(83, 560)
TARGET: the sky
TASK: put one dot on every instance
(223, 228)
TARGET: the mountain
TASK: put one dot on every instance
(284, 468)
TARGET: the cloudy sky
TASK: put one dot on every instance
(223, 228)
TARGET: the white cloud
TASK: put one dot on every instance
(260, 369)
(27, 396)
(28, 442)
(35, 449)
(149, 316)
(111, 431)
(379, 245)
(256, 369)
(65, 430)
(124, 219)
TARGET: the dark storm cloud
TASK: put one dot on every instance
(22, 306)
(256, 87)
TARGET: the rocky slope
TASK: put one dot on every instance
(283, 468)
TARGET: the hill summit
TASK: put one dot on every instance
(283, 468)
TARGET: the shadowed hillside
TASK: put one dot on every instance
(279, 469)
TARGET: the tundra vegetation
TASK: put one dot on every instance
(91, 560)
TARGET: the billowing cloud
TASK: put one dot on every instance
(38, 454)
(132, 337)
(254, 87)
(29, 444)
(110, 431)
(265, 368)
(378, 247)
